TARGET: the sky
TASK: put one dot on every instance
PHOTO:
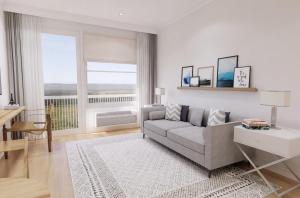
(59, 64)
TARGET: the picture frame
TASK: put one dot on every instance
(186, 75)
(195, 81)
(225, 72)
(206, 76)
(242, 77)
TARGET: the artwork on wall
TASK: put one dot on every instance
(206, 76)
(186, 75)
(195, 81)
(0, 84)
(242, 77)
(225, 74)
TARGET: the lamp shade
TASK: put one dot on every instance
(275, 98)
(159, 91)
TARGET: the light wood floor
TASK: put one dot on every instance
(52, 168)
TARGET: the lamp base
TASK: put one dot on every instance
(273, 117)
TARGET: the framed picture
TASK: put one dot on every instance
(206, 76)
(225, 74)
(242, 77)
(195, 81)
(186, 75)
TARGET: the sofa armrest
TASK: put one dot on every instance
(220, 150)
(145, 113)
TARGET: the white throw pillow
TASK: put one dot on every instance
(216, 117)
(173, 112)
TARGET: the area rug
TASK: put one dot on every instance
(132, 167)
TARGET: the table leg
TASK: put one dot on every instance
(5, 139)
(258, 171)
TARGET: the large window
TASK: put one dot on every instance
(60, 79)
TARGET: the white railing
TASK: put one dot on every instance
(65, 113)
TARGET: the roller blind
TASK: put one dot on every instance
(109, 49)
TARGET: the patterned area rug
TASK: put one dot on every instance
(132, 167)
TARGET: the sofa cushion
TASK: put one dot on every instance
(190, 137)
(157, 115)
(196, 116)
(161, 126)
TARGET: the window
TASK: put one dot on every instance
(60, 79)
(111, 78)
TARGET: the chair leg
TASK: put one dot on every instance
(144, 135)
(49, 135)
(5, 139)
(209, 173)
(26, 167)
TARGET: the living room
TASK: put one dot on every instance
(172, 98)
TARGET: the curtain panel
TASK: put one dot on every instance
(24, 63)
(146, 69)
(13, 23)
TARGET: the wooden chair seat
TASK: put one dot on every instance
(29, 127)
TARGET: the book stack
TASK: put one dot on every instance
(255, 123)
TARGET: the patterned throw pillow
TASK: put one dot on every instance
(173, 112)
(216, 117)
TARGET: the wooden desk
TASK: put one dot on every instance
(8, 115)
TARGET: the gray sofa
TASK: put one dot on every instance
(209, 146)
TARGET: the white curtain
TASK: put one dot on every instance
(33, 70)
(146, 69)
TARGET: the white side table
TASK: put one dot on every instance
(283, 143)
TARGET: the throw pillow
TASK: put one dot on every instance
(184, 113)
(216, 117)
(196, 116)
(173, 112)
(227, 117)
(157, 115)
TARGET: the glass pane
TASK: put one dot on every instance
(111, 94)
(60, 79)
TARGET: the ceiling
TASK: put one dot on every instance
(150, 14)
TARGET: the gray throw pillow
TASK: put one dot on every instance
(157, 115)
(196, 116)
(173, 112)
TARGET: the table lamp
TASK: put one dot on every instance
(159, 92)
(275, 99)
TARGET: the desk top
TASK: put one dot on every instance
(283, 142)
(283, 133)
(8, 114)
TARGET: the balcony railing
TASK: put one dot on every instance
(65, 112)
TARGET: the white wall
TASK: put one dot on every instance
(265, 34)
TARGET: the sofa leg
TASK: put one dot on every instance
(144, 135)
(209, 173)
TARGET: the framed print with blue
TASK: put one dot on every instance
(226, 67)
(186, 75)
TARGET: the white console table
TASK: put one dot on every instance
(283, 143)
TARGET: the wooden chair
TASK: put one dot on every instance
(15, 145)
(21, 187)
(35, 128)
